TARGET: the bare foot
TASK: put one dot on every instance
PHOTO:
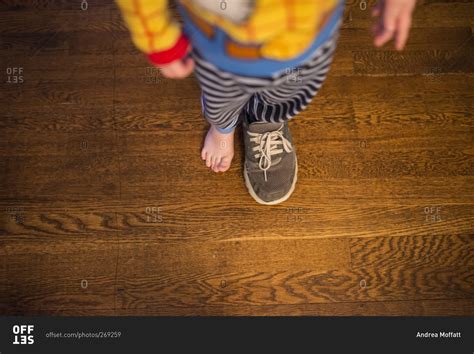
(218, 150)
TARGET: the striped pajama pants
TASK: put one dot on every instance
(226, 97)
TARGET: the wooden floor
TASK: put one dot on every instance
(107, 208)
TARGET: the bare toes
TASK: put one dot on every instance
(217, 164)
(223, 165)
(213, 162)
(224, 168)
(208, 161)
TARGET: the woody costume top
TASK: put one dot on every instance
(247, 37)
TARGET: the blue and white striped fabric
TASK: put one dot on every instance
(226, 96)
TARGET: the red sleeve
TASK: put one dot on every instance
(178, 51)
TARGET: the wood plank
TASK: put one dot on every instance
(429, 250)
(70, 118)
(250, 288)
(62, 19)
(53, 280)
(254, 284)
(434, 14)
(309, 217)
(326, 157)
(459, 59)
(58, 95)
(452, 307)
(61, 165)
(179, 257)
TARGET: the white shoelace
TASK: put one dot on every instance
(267, 146)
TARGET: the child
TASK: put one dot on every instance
(257, 61)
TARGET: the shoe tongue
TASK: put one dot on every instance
(259, 127)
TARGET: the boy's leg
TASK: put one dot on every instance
(293, 90)
(222, 98)
(271, 167)
(222, 101)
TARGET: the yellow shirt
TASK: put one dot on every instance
(282, 29)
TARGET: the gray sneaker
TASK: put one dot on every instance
(270, 168)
